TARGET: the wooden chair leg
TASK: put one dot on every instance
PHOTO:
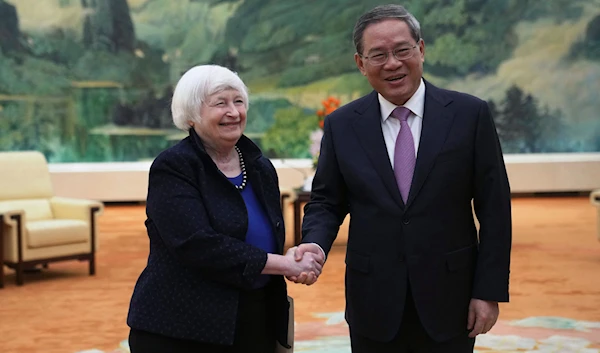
(1, 252)
(93, 212)
(92, 265)
(19, 271)
(19, 266)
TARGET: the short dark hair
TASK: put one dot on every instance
(380, 13)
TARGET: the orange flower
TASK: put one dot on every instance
(330, 110)
(329, 106)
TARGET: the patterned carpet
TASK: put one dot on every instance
(555, 268)
(534, 334)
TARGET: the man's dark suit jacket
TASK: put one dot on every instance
(431, 240)
(199, 263)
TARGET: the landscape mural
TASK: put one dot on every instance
(91, 80)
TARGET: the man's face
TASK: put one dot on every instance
(395, 80)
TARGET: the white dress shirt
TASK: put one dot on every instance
(391, 126)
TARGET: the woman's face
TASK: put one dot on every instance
(222, 118)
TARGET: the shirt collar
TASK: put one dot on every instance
(416, 103)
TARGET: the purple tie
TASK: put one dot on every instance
(404, 153)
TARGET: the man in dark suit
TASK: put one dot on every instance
(408, 161)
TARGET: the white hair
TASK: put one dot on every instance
(196, 85)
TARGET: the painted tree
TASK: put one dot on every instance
(107, 25)
(9, 27)
(525, 127)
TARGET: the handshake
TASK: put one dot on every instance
(305, 263)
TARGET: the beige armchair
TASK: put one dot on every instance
(35, 226)
(595, 199)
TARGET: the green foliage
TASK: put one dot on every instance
(108, 26)
(100, 65)
(305, 41)
(352, 83)
(32, 125)
(261, 114)
(455, 33)
(129, 70)
(123, 148)
(198, 48)
(60, 93)
(315, 71)
(289, 135)
(559, 10)
(300, 40)
(188, 32)
(28, 75)
(60, 46)
(94, 105)
(452, 52)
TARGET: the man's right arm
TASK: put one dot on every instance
(328, 205)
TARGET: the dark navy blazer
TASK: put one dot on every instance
(199, 262)
(431, 241)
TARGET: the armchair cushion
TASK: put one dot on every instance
(56, 232)
(24, 175)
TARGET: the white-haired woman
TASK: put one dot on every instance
(214, 279)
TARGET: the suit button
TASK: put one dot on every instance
(406, 221)
(278, 225)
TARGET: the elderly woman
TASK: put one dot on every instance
(214, 281)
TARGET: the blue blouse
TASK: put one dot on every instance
(260, 232)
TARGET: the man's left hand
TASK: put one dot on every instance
(483, 315)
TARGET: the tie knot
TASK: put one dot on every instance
(401, 113)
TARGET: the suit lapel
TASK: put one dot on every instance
(367, 125)
(437, 120)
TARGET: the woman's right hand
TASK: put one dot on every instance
(309, 264)
(308, 268)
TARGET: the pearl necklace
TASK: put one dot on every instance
(243, 167)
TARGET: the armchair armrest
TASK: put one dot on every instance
(595, 198)
(288, 196)
(14, 218)
(69, 208)
(7, 214)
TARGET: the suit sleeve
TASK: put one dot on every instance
(328, 205)
(176, 210)
(493, 209)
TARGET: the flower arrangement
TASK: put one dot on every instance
(329, 106)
